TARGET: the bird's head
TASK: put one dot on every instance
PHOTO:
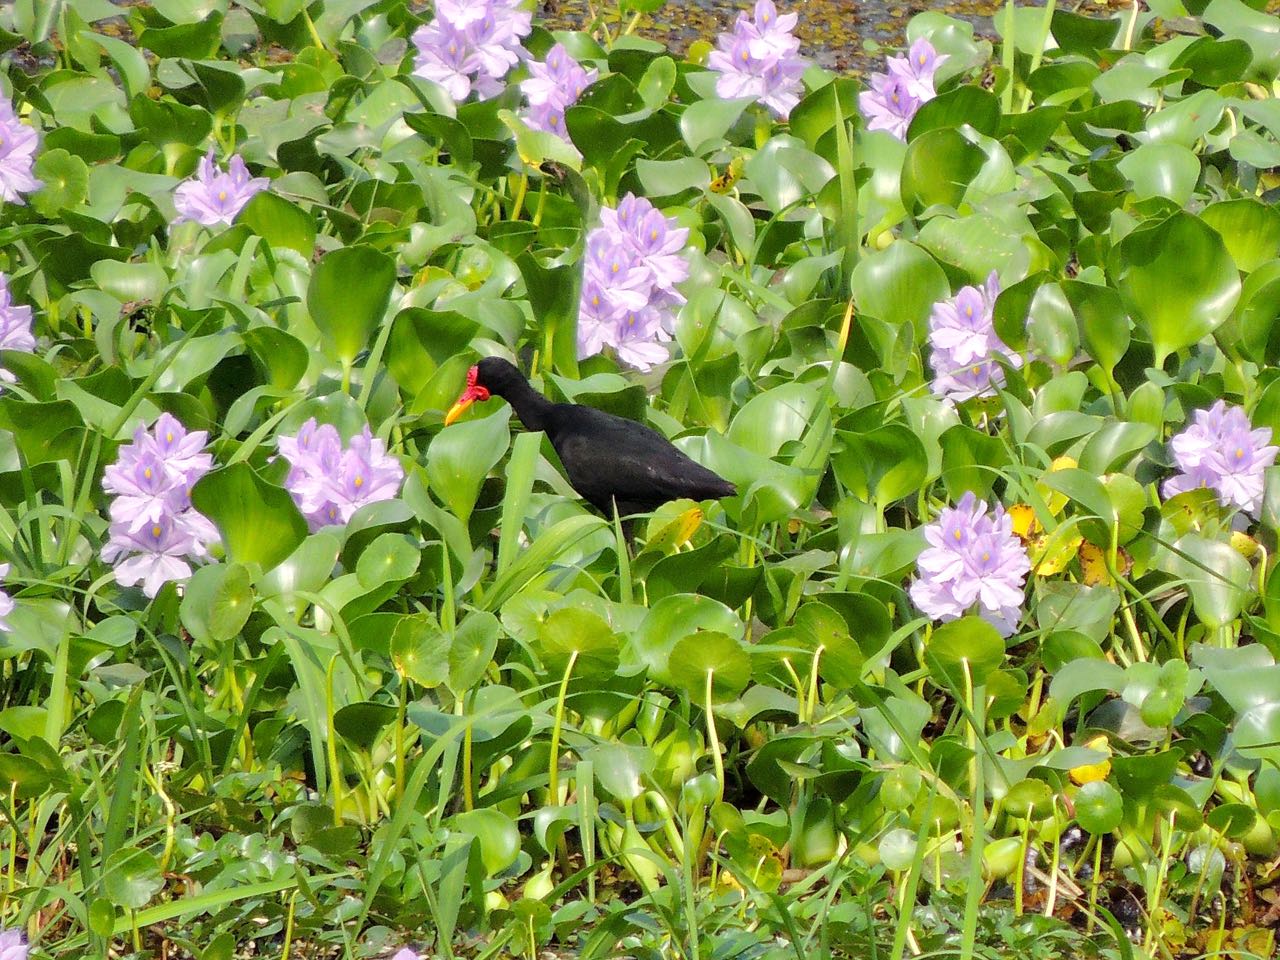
(491, 375)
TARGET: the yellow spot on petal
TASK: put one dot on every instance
(147, 473)
(1239, 453)
(222, 194)
(745, 56)
(156, 531)
(359, 482)
(958, 535)
(986, 555)
(653, 234)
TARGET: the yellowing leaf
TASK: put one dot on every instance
(672, 536)
(1093, 565)
(1051, 553)
(725, 181)
(1055, 500)
(1092, 772)
(1025, 523)
(1244, 545)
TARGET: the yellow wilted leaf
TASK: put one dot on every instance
(725, 181)
(1025, 523)
(1093, 564)
(1091, 772)
(677, 533)
(1055, 500)
(1050, 554)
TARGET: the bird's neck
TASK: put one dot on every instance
(530, 406)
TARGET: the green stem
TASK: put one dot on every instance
(335, 775)
(713, 739)
(553, 771)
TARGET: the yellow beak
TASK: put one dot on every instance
(458, 409)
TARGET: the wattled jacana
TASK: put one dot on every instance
(610, 460)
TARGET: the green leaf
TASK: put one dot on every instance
(282, 224)
(258, 521)
(938, 169)
(1162, 169)
(899, 285)
(348, 296)
(968, 640)
(392, 557)
(472, 649)
(1216, 575)
(1178, 278)
(217, 602)
(460, 457)
(1250, 229)
(420, 650)
(131, 878)
(714, 655)
(66, 182)
(1099, 807)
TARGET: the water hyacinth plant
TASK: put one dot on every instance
(471, 45)
(1220, 451)
(18, 144)
(631, 273)
(15, 326)
(554, 85)
(13, 945)
(965, 644)
(972, 560)
(6, 601)
(155, 532)
(895, 96)
(328, 482)
(964, 344)
(213, 195)
(759, 58)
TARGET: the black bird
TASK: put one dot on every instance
(612, 462)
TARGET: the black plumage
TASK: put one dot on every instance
(609, 460)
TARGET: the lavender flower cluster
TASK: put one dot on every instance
(215, 196)
(12, 945)
(1221, 451)
(330, 483)
(973, 557)
(630, 272)
(6, 608)
(964, 343)
(17, 155)
(895, 96)
(15, 326)
(554, 85)
(471, 45)
(154, 528)
(758, 58)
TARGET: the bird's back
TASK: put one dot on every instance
(610, 459)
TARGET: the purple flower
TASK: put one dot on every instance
(629, 286)
(15, 325)
(154, 528)
(6, 608)
(12, 945)
(329, 483)
(964, 343)
(758, 58)
(888, 105)
(404, 953)
(213, 196)
(17, 155)
(471, 45)
(973, 557)
(1220, 451)
(894, 97)
(917, 69)
(553, 86)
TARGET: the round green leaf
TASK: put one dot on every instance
(496, 834)
(217, 602)
(968, 640)
(132, 877)
(420, 650)
(1099, 807)
(390, 558)
(710, 653)
(1217, 576)
(472, 649)
(66, 182)
(1161, 169)
(1250, 229)
(938, 169)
